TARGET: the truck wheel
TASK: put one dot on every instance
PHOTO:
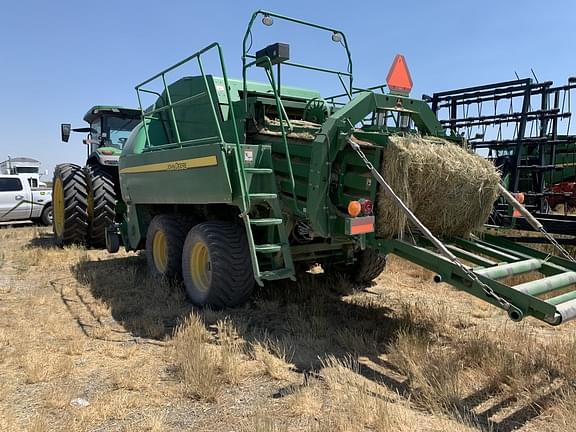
(164, 241)
(69, 202)
(368, 266)
(216, 265)
(47, 216)
(101, 204)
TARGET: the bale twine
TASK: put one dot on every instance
(449, 189)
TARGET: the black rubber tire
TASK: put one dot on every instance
(231, 277)
(46, 216)
(175, 228)
(368, 266)
(112, 242)
(102, 212)
(74, 206)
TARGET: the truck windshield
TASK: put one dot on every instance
(118, 130)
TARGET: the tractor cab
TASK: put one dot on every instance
(108, 131)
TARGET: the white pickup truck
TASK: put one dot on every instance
(19, 201)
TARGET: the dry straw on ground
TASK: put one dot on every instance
(405, 355)
(449, 189)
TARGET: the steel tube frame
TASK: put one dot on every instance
(245, 48)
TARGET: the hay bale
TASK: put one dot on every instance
(449, 189)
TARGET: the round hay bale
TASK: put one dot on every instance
(449, 189)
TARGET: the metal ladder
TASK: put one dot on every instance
(270, 197)
(273, 221)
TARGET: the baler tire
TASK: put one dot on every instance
(368, 266)
(174, 229)
(101, 205)
(69, 204)
(230, 280)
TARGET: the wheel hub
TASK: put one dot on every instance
(201, 266)
(160, 251)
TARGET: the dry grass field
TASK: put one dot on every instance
(89, 343)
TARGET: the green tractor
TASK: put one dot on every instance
(228, 183)
(85, 197)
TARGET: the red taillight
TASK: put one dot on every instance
(367, 207)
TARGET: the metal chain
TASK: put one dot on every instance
(557, 245)
(355, 144)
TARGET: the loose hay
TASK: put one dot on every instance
(449, 189)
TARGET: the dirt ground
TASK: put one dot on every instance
(89, 343)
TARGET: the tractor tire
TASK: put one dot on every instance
(164, 242)
(46, 217)
(70, 204)
(101, 205)
(368, 266)
(216, 265)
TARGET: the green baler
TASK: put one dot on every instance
(227, 183)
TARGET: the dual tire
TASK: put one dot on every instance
(83, 205)
(211, 258)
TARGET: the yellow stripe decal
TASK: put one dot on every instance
(178, 165)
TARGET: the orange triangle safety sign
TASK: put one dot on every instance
(399, 79)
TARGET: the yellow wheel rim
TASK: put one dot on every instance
(58, 207)
(200, 266)
(160, 251)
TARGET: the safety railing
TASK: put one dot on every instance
(337, 36)
(169, 105)
(249, 60)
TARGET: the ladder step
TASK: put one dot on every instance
(263, 196)
(266, 221)
(258, 170)
(548, 284)
(510, 269)
(268, 248)
(276, 274)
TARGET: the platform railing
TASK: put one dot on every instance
(170, 104)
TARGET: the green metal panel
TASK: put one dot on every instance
(162, 177)
(300, 168)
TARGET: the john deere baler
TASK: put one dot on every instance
(227, 183)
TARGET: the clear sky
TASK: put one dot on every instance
(58, 58)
